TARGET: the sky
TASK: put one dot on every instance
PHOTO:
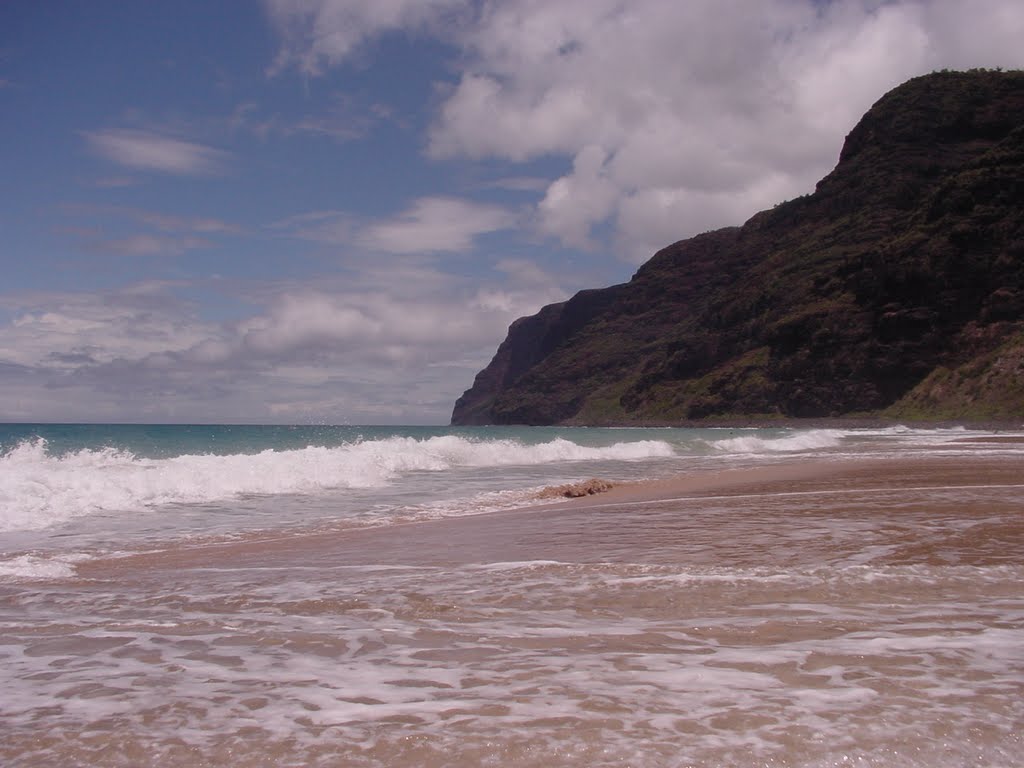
(329, 211)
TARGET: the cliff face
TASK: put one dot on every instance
(896, 288)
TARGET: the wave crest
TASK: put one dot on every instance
(38, 490)
(805, 441)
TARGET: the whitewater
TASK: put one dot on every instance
(68, 491)
(46, 482)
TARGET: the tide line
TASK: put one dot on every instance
(821, 492)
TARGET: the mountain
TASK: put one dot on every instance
(895, 290)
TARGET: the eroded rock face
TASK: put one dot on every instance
(906, 261)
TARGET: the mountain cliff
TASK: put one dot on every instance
(895, 290)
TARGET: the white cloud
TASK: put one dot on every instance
(71, 330)
(705, 111)
(429, 225)
(679, 117)
(154, 152)
(435, 224)
(574, 203)
(321, 33)
(331, 349)
(305, 320)
(520, 125)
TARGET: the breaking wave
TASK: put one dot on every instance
(39, 490)
(812, 440)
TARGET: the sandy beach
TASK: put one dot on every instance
(811, 613)
(633, 518)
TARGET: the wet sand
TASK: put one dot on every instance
(800, 615)
(627, 523)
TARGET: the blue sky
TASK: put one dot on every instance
(330, 210)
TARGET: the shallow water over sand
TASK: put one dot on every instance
(872, 615)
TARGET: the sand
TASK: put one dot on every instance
(621, 519)
(802, 614)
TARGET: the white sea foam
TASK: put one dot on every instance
(811, 440)
(38, 489)
(469, 664)
(886, 441)
(30, 566)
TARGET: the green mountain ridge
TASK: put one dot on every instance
(895, 290)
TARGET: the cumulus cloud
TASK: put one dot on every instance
(67, 330)
(147, 151)
(404, 313)
(400, 334)
(705, 111)
(574, 203)
(307, 320)
(675, 117)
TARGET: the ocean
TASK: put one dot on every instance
(193, 595)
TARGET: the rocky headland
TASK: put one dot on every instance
(894, 291)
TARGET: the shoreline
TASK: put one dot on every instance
(521, 532)
(725, 422)
(792, 601)
(788, 422)
(905, 475)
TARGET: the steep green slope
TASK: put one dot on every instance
(896, 288)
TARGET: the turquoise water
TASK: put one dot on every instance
(167, 440)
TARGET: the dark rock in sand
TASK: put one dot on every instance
(577, 490)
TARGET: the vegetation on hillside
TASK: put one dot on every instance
(895, 289)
